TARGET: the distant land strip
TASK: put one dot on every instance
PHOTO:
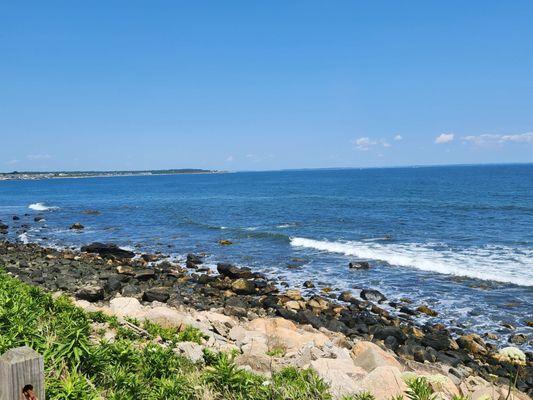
(30, 175)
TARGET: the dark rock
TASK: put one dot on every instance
(391, 342)
(359, 265)
(193, 260)
(308, 284)
(234, 272)
(130, 290)
(3, 226)
(160, 294)
(90, 293)
(383, 332)
(77, 226)
(373, 295)
(225, 242)
(407, 310)
(108, 250)
(16, 217)
(145, 274)
(439, 340)
(113, 284)
(38, 219)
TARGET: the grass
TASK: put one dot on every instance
(81, 365)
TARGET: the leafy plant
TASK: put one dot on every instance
(419, 389)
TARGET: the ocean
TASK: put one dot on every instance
(458, 239)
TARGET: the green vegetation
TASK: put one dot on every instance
(419, 389)
(81, 365)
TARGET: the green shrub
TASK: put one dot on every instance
(419, 389)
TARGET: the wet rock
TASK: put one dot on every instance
(408, 311)
(233, 272)
(38, 219)
(160, 294)
(76, 226)
(346, 296)
(224, 242)
(243, 286)
(108, 250)
(16, 218)
(518, 338)
(193, 261)
(3, 226)
(373, 295)
(428, 311)
(359, 265)
(90, 293)
(308, 285)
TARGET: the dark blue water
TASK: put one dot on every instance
(459, 239)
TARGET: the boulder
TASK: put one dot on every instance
(77, 226)
(293, 294)
(126, 307)
(160, 294)
(192, 351)
(225, 242)
(341, 375)
(233, 272)
(308, 284)
(145, 274)
(384, 382)
(472, 343)
(113, 284)
(359, 265)
(107, 250)
(428, 311)
(193, 260)
(373, 295)
(90, 293)
(167, 317)
(369, 356)
(243, 286)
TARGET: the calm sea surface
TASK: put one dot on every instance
(459, 239)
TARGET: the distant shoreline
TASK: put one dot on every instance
(99, 174)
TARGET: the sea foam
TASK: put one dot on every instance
(41, 207)
(486, 263)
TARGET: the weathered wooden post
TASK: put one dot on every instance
(20, 367)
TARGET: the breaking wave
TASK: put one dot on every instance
(41, 207)
(494, 263)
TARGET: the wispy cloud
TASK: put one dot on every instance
(398, 138)
(230, 159)
(12, 162)
(365, 143)
(490, 139)
(44, 156)
(444, 138)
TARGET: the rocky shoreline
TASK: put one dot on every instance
(99, 273)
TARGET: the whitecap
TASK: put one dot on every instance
(41, 207)
(494, 263)
(23, 237)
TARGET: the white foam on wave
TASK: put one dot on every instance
(23, 237)
(495, 263)
(41, 207)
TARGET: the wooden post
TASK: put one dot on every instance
(20, 367)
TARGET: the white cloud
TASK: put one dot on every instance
(365, 143)
(230, 158)
(398, 138)
(491, 139)
(444, 138)
(38, 156)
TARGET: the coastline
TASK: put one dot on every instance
(104, 273)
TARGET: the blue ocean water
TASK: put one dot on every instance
(459, 238)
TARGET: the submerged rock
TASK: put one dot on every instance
(373, 295)
(77, 226)
(359, 265)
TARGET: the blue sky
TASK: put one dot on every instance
(253, 85)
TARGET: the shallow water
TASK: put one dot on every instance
(459, 239)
